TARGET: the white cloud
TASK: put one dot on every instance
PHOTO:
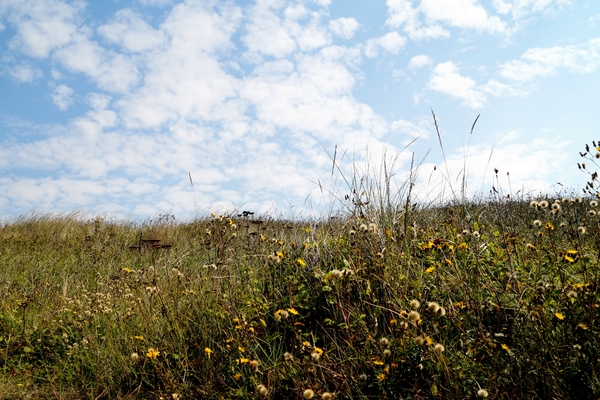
(401, 13)
(24, 73)
(391, 42)
(269, 34)
(420, 61)
(542, 62)
(131, 32)
(344, 27)
(446, 79)
(43, 25)
(533, 167)
(520, 9)
(63, 97)
(464, 14)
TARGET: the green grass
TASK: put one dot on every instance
(82, 303)
(388, 300)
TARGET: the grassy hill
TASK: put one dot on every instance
(495, 299)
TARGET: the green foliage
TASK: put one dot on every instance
(494, 298)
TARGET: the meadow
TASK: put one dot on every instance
(496, 298)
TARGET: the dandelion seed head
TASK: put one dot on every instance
(414, 316)
(387, 353)
(362, 377)
(415, 304)
(543, 204)
(482, 393)
(593, 203)
(537, 223)
(581, 230)
(439, 347)
(572, 294)
(441, 312)
(326, 396)
(384, 341)
(566, 200)
(363, 228)
(419, 340)
(308, 394)
(135, 356)
(533, 204)
(433, 306)
(262, 389)
(578, 200)
(592, 213)
(556, 207)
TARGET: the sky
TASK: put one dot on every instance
(148, 107)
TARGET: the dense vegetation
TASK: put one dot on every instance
(497, 298)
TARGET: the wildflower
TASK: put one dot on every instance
(281, 314)
(293, 311)
(482, 393)
(308, 394)
(581, 230)
(414, 316)
(384, 341)
(537, 223)
(288, 356)
(135, 356)
(543, 204)
(419, 340)
(262, 390)
(381, 376)
(208, 352)
(439, 347)
(152, 353)
(414, 304)
(463, 246)
(336, 273)
(316, 354)
(559, 315)
(433, 306)
(372, 228)
(326, 396)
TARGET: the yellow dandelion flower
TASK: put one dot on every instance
(152, 353)
(243, 360)
(381, 377)
(378, 362)
(208, 352)
(237, 376)
(293, 311)
(429, 270)
(560, 316)
(301, 262)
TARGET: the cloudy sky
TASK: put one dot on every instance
(110, 106)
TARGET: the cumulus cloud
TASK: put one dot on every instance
(420, 61)
(24, 73)
(344, 27)
(446, 78)
(63, 97)
(129, 30)
(43, 25)
(391, 42)
(541, 62)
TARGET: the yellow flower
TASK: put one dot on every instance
(208, 352)
(243, 360)
(560, 316)
(429, 270)
(138, 337)
(381, 376)
(152, 353)
(293, 311)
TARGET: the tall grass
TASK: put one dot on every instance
(497, 297)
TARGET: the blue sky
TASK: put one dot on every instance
(107, 107)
